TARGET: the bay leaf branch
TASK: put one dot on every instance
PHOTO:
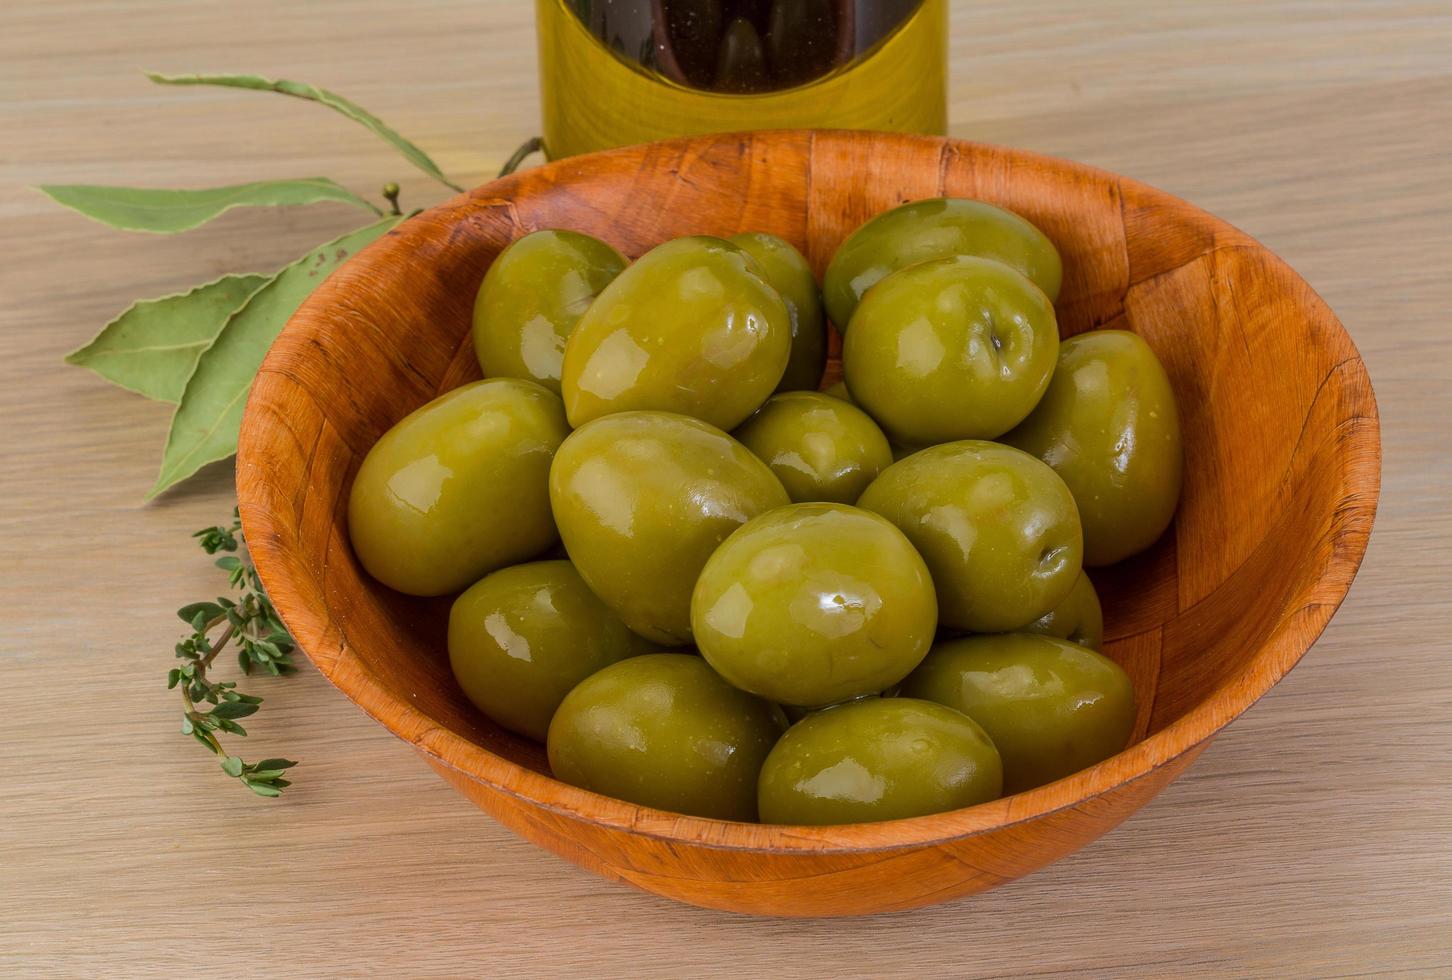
(322, 96)
(153, 346)
(165, 211)
(208, 418)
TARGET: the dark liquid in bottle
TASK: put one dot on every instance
(741, 46)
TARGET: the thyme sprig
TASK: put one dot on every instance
(246, 621)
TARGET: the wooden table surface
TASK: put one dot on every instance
(1313, 838)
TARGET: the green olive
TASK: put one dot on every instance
(642, 499)
(1109, 426)
(1052, 707)
(878, 759)
(814, 603)
(788, 271)
(458, 488)
(741, 60)
(664, 731)
(531, 298)
(1077, 619)
(821, 448)
(955, 348)
(997, 528)
(522, 637)
(934, 229)
(692, 326)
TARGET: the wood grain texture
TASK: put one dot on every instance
(1282, 473)
(1310, 839)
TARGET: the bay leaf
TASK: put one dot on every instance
(152, 348)
(168, 211)
(322, 96)
(209, 415)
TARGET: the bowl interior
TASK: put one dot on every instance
(1279, 424)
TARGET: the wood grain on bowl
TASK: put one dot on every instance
(1281, 479)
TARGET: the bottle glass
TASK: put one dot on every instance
(614, 72)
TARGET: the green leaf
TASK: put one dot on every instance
(208, 610)
(229, 563)
(332, 100)
(232, 765)
(266, 775)
(169, 211)
(274, 764)
(172, 677)
(233, 709)
(262, 789)
(153, 346)
(209, 416)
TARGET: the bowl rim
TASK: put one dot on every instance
(1311, 608)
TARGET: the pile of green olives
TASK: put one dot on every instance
(711, 587)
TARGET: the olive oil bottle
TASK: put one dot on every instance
(614, 72)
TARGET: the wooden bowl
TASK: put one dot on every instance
(1282, 461)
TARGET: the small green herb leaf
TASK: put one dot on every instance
(153, 346)
(169, 211)
(232, 765)
(332, 100)
(209, 610)
(230, 710)
(209, 416)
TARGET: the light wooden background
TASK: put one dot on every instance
(1314, 838)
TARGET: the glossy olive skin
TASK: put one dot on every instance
(531, 298)
(1109, 426)
(955, 348)
(664, 731)
(997, 528)
(642, 499)
(788, 271)
(933, 229)
(692, 326)
(522, 637)
(813, 604)
(1052, 707)
(878, 759)
(1078, 619)
(820, 447)
(458, 488)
